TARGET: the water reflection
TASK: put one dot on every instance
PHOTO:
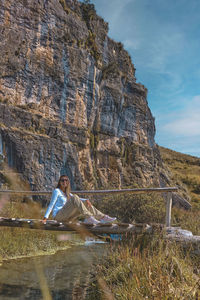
(67, 274)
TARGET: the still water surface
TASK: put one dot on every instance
(67, 274)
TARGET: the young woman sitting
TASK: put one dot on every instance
(66, 207)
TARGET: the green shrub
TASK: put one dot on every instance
(111, 68)
(92, 46)
(120, 46)
(64, 5)
(145, 208)
(4, 100)
(88, 13)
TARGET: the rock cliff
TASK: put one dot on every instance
(69, 100)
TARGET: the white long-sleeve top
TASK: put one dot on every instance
(57, 202)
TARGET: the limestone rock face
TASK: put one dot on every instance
(69, 101)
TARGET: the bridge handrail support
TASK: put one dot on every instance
(167, 190)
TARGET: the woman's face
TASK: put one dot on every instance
(64, 181)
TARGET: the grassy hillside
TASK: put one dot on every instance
(149, 267)
(185, 171)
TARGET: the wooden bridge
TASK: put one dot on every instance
(118, 228)
(172, 233)
(100, 228)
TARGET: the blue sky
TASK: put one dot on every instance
(163, 39)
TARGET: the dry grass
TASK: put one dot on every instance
(149, 269)
(185, 171)
(189, 220)
(16, 242)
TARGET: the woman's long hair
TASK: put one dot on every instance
(68, 188)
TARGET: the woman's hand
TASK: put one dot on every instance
(88, 203)
(44, 221)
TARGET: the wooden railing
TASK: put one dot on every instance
(132, 191)
(167, 190)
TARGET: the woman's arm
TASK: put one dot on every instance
(85, 200)
(51, 204)
(82, 199)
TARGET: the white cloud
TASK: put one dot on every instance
(132, 44)
(186, 122)
(186, 127)
(165, 46)
(112, 10)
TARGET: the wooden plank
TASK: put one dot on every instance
(131, 191)
(79, 227)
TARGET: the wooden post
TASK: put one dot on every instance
(168, 209)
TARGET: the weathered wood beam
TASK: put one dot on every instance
(168, 209)
(132, 191)
(79, 227)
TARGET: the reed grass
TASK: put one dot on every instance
(146, 268)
